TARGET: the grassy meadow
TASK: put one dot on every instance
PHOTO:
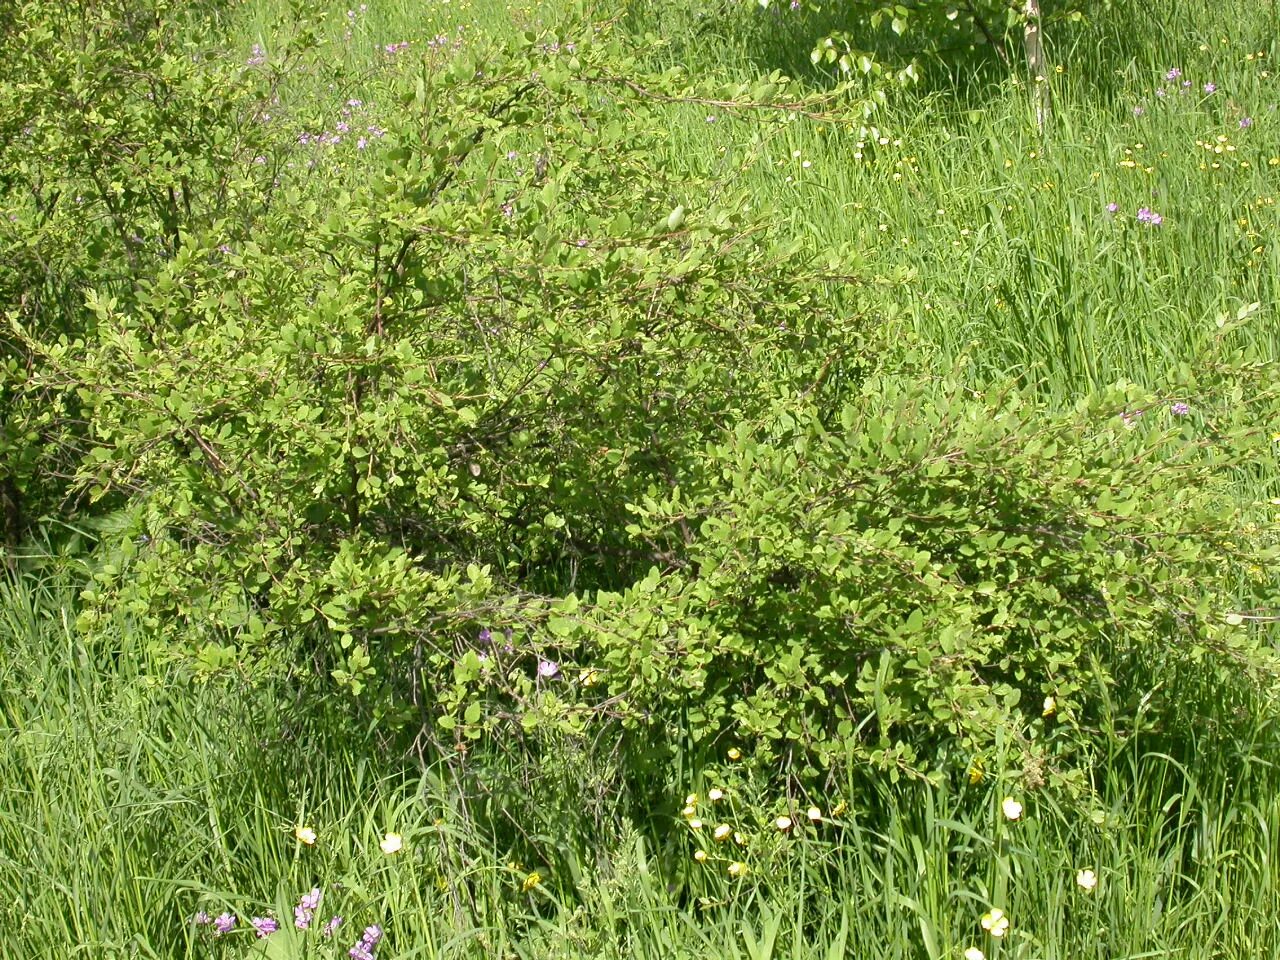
(144, 802)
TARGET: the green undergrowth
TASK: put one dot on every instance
(134, 798)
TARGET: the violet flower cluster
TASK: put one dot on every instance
(305, 911)
(363, 950)
(265, 926)
(303, 915)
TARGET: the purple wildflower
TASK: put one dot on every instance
(304, 912)
(1159, 91)
(548, 668)
(1180, 409)
(341, 126)
(202, 919)
(360, 952)
(259, 56)
(372, 935)
(1150, 217)
(225, 923)
(1210, 87)
(1130, 419)
(1112, 207)
(485, 635)
(331, 926)
(361, 143)
(1173, 74)
(1246, 123)
(265, 926)
(353, 102)
(1138, 110)
(508, 210)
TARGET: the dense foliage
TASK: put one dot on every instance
(479, 484)
(509, 422)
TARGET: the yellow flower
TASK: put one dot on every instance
(722, 832)
(531, 881)
(783, 824)
(1086, 880)
(995, 923)
(1012, 808)
(973, 953)
(841, 807)
(391, 843)
(690, 800)
(714, 794)
(737, 868)
(700, 855)
(734, 753)
(305, 835)
(975, 771)
(1050, 707)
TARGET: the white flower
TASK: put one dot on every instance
(714, 794)
(995, 923)
(1012, 808)
(305, 835)
(973, 953)
(391, 843)
(1086, 880)
(783, 824)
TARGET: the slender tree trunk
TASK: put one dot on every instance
(1033, 44)
(10, 520)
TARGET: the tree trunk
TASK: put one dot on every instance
(1033, 44)
(10, 520)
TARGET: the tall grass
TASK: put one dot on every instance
(134, 795)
